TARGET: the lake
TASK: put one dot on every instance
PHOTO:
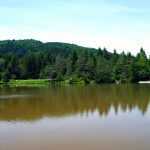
(92, 117)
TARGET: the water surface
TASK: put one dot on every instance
(106, 117)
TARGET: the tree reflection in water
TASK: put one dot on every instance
(58, 101)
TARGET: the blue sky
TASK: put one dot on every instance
(114, 24)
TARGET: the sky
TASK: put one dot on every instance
(123, 25)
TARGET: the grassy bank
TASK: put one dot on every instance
(29, 82)
(40, 82)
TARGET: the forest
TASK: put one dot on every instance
(31, 59)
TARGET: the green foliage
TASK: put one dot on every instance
(122, 71)
(48, 72)
(30, 59)
(5, 76)
(103, 71)
(142, 67)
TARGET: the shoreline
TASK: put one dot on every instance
(38, 82)
(47, 82)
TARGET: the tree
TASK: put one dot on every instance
(142, 67)
(48, 72)
(103, 72)
(91, 67)
(81, 64)
(60, 65)
(122, 71)
(71, 60)
(5, 76)
(30, 66)
(2, 67)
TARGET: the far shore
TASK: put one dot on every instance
(38, 82)
(46, 82)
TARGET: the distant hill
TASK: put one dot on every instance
(21, 47)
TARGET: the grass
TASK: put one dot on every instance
(29, 82)
(41, 82)
(34, 82)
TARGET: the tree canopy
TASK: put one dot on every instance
(31, 59)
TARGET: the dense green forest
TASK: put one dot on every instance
(31, 59)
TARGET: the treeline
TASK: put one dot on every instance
(30, 59)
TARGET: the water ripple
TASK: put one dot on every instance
(13, 96)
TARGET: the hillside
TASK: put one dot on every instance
(31, 59)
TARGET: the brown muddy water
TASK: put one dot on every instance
(104, 117)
